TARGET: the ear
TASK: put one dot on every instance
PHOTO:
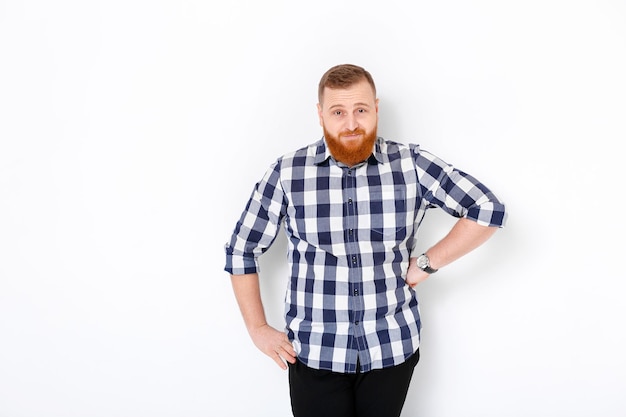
(319, 114)
(377, 109)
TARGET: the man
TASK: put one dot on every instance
(351, 204)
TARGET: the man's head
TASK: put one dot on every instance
(348, 112)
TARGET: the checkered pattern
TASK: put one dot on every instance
(351, 232)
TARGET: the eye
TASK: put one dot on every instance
(362, 110)
(337, 112)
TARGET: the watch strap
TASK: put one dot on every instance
(429, 269)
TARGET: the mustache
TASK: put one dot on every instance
(357, 131)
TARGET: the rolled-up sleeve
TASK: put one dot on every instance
(457, 192)
(258, 225)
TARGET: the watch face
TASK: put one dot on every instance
(423, 261)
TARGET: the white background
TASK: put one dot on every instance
(132, 132)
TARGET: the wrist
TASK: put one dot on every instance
(253, 328)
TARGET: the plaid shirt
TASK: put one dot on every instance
(351, 231)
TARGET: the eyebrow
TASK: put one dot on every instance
(355, 105)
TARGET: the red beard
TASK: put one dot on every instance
(351, 153)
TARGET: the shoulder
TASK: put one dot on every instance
(301, 156)
(412, 153)
(389, 150)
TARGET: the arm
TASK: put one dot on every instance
(465, 236)
(267, 339)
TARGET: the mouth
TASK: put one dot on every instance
(351, 135)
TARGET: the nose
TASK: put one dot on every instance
(351, 122)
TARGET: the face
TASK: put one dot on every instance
(349, 118)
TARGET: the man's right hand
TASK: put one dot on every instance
(274, 344)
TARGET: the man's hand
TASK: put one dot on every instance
(274, 344)
(270, 341)
(465, 236)
(415, 275)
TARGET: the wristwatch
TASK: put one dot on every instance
(423, 263)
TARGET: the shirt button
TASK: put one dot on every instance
(349, 201)
(356, 291)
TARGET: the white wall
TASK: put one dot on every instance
(132, 132)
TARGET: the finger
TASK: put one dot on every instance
(279, 361)
(288, 356)
(285, 344)
(287, 352)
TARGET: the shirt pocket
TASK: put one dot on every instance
(388, 213)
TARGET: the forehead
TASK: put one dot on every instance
(359, 93)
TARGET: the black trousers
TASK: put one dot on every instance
(377, 393)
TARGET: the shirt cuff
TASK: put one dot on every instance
(239, 264)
